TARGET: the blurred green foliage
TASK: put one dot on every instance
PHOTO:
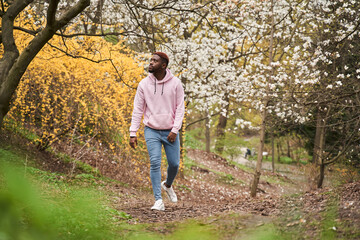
(27, 213)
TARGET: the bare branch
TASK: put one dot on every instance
(349, 34)
(93, 35)
(71, 13)
(34, 32)
(51, 13)
(112, 63)
(332, 99)
(346, 148)
(92, 60)
(136, 19)
(2, 7)
(199, 23)
(202, 119)
(31, 32)
(97, 17)
(8, 24)
(166, 5)
(76, 56)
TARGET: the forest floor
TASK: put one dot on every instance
(212, 186)
(214, 192)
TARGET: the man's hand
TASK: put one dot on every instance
(133, 142)
(171, 137)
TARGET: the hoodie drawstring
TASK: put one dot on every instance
(162, 90)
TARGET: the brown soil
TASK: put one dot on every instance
(212, 187)
(349, 210)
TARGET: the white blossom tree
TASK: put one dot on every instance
(332, 102)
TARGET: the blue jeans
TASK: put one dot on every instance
(154, 140)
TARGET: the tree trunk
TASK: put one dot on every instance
(207, 132)
(321, 175)
(318, 148)
(281, 150)
(182, 152)
(182, 137)
(1, 118)
(97, 17)
(278, 151)
(263, 114)
(288, 146)
(257, 173)
(321, 158)
(273, 151)
(221, 127)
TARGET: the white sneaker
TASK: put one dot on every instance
(159, 205)
(170, 192)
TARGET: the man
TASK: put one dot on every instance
(160, 98)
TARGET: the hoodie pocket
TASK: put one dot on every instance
(161, 121)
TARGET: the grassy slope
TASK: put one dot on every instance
(36, 204)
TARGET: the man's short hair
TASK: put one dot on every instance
(163, 56)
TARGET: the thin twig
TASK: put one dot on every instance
(78, 158)
(2, 6)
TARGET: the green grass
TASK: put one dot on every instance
(194, 139)
(242, 226)
(188, 162)
(283, 159)
(273, 179)
(228, 179)
(264, 232)
(240, 166)
(10, 157)
(21, 130)
(193, 230)
(328, 224)
(221, 176)
(78, 164)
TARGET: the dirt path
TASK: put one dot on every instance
(212, 187)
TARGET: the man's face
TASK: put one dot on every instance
(156, 64)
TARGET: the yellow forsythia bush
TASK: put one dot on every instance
(87, 100)
(61, 96)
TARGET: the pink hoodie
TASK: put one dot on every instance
(161, 103)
